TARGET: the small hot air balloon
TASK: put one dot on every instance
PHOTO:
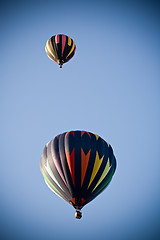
(77, 166)
(60, 48)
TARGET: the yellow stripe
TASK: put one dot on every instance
(69, 41)
(104, 174)
(96, 136)
(96, 167)
(48, 48)
(73, 46)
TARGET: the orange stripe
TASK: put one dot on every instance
(82, 132)
(73, 133)
(71, 163)
(84, 164)
(73, 200)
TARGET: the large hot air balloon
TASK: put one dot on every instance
(77, 166)
(60, 48)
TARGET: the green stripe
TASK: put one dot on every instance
(45, 177)
(108, 180)
(48, 168)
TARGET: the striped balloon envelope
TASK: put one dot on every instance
(60, 48)
(77, 166)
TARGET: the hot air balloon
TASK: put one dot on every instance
(60, 48)
(77, 166)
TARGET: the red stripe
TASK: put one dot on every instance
(63, 43)
(73, 200)
(71, 163)
(82, 132)
(82, 201)
(84, 164)
(57, 38)
(73, 133)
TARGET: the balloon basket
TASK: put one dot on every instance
(78, 214)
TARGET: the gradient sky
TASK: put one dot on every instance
(111, 87)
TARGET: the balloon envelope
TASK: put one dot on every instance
(60, 48)
(77, 166)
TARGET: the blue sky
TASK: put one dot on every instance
(111, 87)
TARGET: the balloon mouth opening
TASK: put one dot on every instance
(60, 65)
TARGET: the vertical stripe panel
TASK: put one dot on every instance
(56, 159)
(84, 164)
(57, 38)
(104, 174)
(69, 41)
(48, 181)
(51, 174)
(107, 181)
(63, 43)
(73, 46)
(47, 48)
(71, 164)
(96, 167)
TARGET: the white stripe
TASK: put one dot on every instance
(48, 168)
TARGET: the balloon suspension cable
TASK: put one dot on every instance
(78, 214)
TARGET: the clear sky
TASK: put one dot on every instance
(111, 87)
